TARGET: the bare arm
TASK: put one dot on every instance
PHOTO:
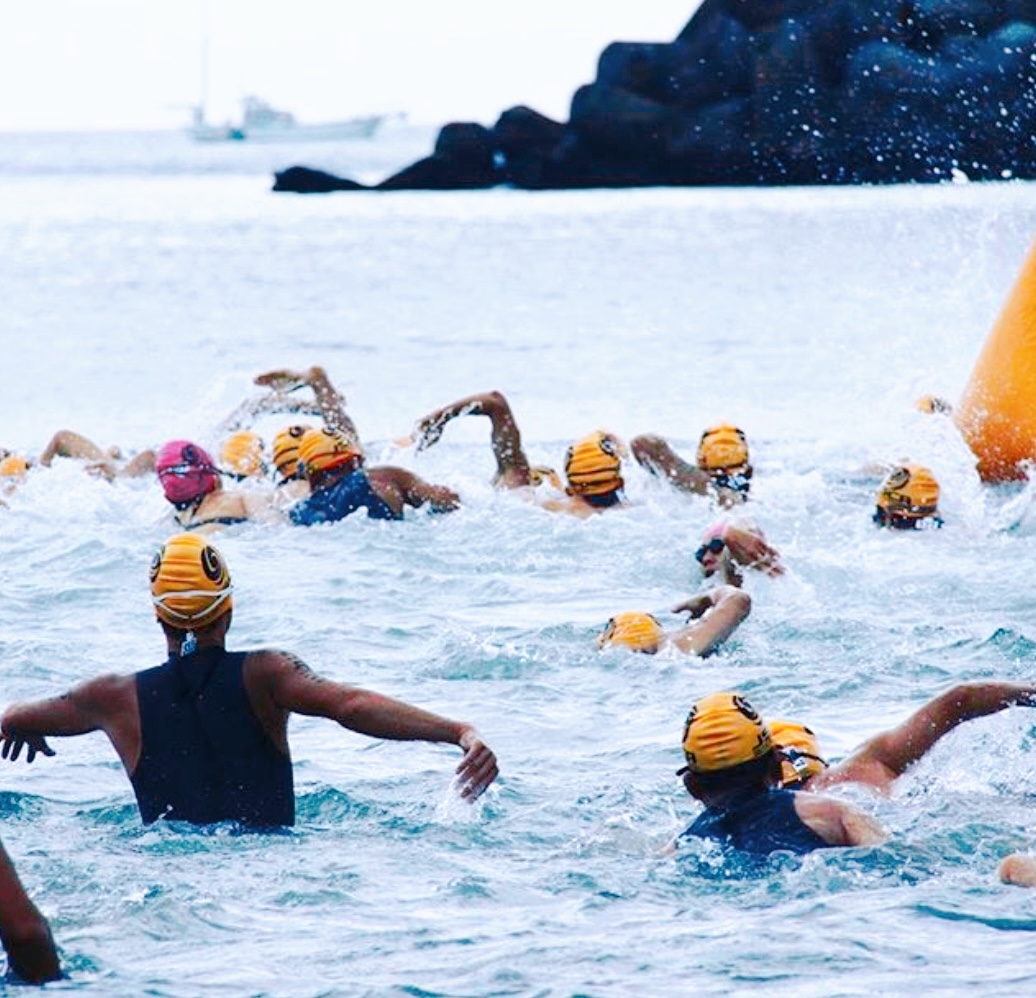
(750, 548)
(68, 443)
(400, 487)
(24, 932)
(512, 466)
(656, 456)
(892, 752)
(719, 613)
(293, 687)
(838, 823)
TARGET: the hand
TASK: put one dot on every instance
(281, 380)
(695, 605)
(428, 432)
(751, 549)
(478, 767)
(33, 743)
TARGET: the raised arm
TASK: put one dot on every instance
(880, 759)
(291, 686)
(656, 456)
(718, 613)
(24, 932)
(512, 466)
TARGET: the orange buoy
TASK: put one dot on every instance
(997, 412)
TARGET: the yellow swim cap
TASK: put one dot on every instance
(722, 447)
(636, 631)
(14, 466)
(723, 730)
(286, 450)
(190, 583)
(933, 404)
(909, 494)
(592, 465)
(324, 449)
(799, 749)
(242, 454)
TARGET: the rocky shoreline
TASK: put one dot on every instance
(769, 92)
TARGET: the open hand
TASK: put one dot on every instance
(33, 744)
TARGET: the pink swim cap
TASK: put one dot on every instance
(186, 471)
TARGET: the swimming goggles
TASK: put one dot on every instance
(713, 546)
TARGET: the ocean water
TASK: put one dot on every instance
(146, 281)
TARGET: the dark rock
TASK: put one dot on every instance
(464, 159)
(524, 139)
(303, 180)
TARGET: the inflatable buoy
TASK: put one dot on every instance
(997, 412)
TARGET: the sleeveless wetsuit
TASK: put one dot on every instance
(204, 755)
(764, 823)
(341, 499)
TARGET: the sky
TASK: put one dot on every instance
(114, 64)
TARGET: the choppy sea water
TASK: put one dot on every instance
(146, 281)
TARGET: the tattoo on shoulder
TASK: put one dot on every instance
(299, 666)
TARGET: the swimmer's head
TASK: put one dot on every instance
(636, 631)
(722, 731)
(324, 450)
(908, 498)
(186, 472)
(190, 583)
(286, 451)
(799, 751)
(13, 467)
(593, 465)
(723, 453)
(242, 455)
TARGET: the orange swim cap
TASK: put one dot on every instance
(592, 465)
(908, 495)
(14, 466)
(799, 750)
(242, 454)
(286, 450)
(636, 631)
(190, 583)
(324, 449)
(723, 730)
(722, 448)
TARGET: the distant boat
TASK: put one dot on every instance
(262, 123)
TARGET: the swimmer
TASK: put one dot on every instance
(107, 463)
(734, 769)
(882, 759)
(340, 484)
(191, 481)
(908, 499)
(241, 457)
(715, 615)
(289, 479)
(593, 464)
(723, 466)
(727, 547)
(24, 932)
(204, 737)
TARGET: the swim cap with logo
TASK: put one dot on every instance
(286, 450)
(908, 495)
(186, 471)
(190, 583)
(723, 730)
(722, 448)
(799, 750)
(636, 631)
(592, 465)
(324, 449)
(242, 454)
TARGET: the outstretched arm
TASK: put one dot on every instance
(24, 932)
(656, 456)
(293, 687)
(718, 614)
(512, 466)
(68, 443)
(330, 401)
(890, 753)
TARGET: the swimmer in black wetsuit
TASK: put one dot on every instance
(592, 464)
(733, 768)
(204, 737)
(340, 484)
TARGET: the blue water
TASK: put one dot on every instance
(145, 282)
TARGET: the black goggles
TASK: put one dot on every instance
(713, 546)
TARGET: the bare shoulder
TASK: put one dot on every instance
(108, 690)
(276, 665)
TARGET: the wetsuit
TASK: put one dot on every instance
(339, 500)
(204, 755)
(765, 823)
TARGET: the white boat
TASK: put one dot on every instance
(262, 123)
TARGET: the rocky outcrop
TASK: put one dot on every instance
(778, 92)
